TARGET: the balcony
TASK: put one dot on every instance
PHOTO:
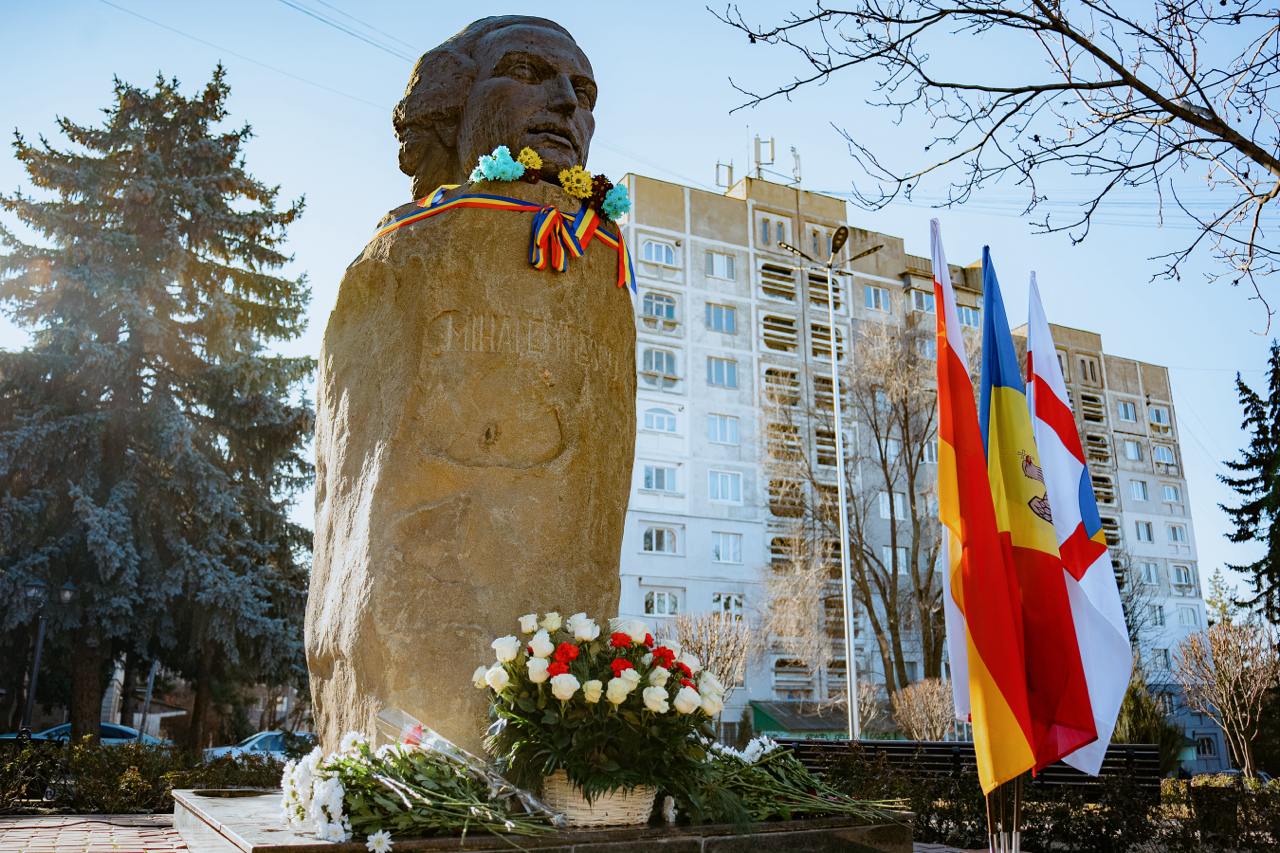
(777, 282)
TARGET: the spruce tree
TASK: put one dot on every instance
(150, 442)
(1258, 484)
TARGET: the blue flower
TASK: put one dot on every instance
(498, 166)
(616, 202)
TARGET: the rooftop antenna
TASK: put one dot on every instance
(759, 157)
(725, 169)
(795, 167)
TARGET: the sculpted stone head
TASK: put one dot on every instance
(511, 80)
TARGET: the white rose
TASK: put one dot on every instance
(687, 700)
(633, 628)
(477, 677)
(631, 676)
(655, 699)
(551, 621)
(537, 670)
(497, 678)
(541, 644)
(584, 630)
(618, 690)
(712, 704)
(506, 648)
(563, 687)
(691, 661)
(591, 690)
(658, 676)
(528, 623)
(708, 683)
(647, 659)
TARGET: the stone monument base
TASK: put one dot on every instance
(228, 821)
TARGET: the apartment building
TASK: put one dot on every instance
(727, 321)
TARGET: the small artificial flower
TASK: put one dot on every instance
(655, 699)
(563, 687)
(529, 159)
(617, 202)
(566, 652)
(576, 181)
(687, 701)
(538, 670)
(497, 678)
(528, 623)
(378, 842)
(551, 621)
(477, 677)
(621, 665)
(506, 648)
(540, 644)
(591, 690)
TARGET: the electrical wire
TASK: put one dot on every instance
(337, 26)
(367, 25)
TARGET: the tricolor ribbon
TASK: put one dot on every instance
(553, 239)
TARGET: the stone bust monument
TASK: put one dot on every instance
(475, 416)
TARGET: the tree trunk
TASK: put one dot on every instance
(203, 703)
(128, 678)
(86, 686)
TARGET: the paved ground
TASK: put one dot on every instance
(131, 834)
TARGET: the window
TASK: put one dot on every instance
(660, 306)
(722, 318)
(1177, 533)
(726, 547)
(720, 265)
(781, 386)
(1089, 373)
(722, 429)
(773, 230)
(1188, 617)
(819, 242)
(659, 252)
(927, 348)
(931, 451)
(1139, 488)
(1150, 572)
(1127, 411)
(1163, 454)
(922, 300)
(892, 447)
(786, 498)
(722, 372)
(824, 446)
(661, 603)
(724, 486)
(777, 282)
(658, 368)
(779, 332)
(1159, 416)
(659, 540)
(913, 671)
(1160, 658)
(1182, 575)
(660, 478)
(1157, 615)
(660, 420)
(822, 288)
(1132, 450)
(875, 298)
(887, 554)
(899, 508)
(1206, 747)
(1144, 532)
(969, 316)
(728, 603)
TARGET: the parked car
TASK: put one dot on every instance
(111, 734)
(275, 743)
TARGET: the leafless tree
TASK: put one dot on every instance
(1125, 97)
(1226, 672)
(894, 535)
(725, 644)
(924, 710)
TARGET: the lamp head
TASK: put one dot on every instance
(838, 240)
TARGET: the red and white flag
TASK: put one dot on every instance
(1101, 634)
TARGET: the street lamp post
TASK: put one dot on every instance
(838, 240)
(35, 590)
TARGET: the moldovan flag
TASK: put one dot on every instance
(984, 627)
(1057, 694)
(1101, 634)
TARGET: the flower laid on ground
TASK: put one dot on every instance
(397, 790)
(649, 730)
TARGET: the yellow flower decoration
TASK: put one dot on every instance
(576, 182)
(529, 159)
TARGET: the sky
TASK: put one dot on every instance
(320, 99)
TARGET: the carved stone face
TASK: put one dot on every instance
(533, 87)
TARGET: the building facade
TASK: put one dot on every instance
(727, 321)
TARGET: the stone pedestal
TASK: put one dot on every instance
(474, 439)
(215, 824)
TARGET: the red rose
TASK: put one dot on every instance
(566, 652)
(648, 640)
(620, 640)
(619, 665)
(557, 668)
(663, 656)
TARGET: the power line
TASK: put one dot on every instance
(337, 26)
(241, 56)
(368, 25)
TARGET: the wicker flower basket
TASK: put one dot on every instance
(619, 808)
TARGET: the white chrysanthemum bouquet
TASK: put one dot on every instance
(615, 711)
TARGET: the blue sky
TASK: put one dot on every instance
(321, 114)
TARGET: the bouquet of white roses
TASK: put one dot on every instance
(614, 710)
